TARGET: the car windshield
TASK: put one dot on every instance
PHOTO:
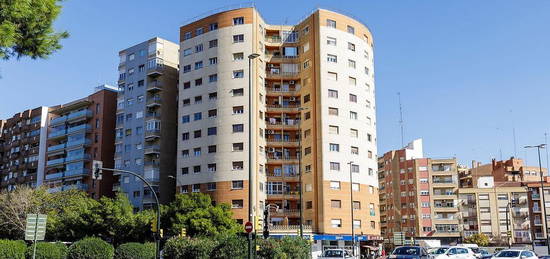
(508, 254)
(406, 251)
(476, 250)
(440, 250)
(334, 253)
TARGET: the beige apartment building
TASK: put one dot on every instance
(496, 209)
(418, 196)
(313, 110)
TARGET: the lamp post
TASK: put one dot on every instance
(300, 172)
(250, 193)
(351, 195)
(545, 221)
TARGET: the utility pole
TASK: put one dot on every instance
(250, 112)
(543, 207)
(351, 197)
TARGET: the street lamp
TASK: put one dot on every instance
(351, 194)
(545, 224)
(250, 96)
(300, 172)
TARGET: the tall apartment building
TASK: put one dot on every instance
(313, 110)
(484, 209)
(23, 148)
(512, 169)
(79, 132)
(540, 227)
(418, 196)
(146, 120)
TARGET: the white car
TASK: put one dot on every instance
(456, 252)
(515, 254)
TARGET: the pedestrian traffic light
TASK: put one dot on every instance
(97, 173)
(154, 225)
(266, 222)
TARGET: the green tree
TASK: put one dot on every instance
(230, 247)
(196, 213)
(480, 239)
(26, 28)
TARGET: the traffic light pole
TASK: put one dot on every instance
(97, 171)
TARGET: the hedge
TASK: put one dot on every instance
(91, 248)
(48, 250)
(135, 251)
(182, 248)
(10, 249)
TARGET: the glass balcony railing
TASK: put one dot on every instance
(54, 176)
(79, 186)
(79, 128)
(81, 171)
(55, 161)
(57, 147)
(58, 120)
(83, 141)
(77, 157)
(57, 133)
(79, 114)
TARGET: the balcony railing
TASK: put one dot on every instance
(54, 176)
(83, 141)
(282, 89)
(273, 39)
(79, 114)
(77, 157)
(283, 106)
(79, 128)
(154, 86)
(55, 162)
(80, 186)
(155, 101)
(58, 120)
(56, 147)
(282, 74)
(57, 133)
(81, 171)
(151, 149)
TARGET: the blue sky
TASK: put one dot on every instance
(468, 71)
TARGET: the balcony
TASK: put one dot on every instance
(284, 91)
(536, 210)
(60, 147)
(54, 176)
(283, 142)
(281, 159)
(290, 229)
(154, 102)
(80, 142)
(279, 125)
(273, 39)
(285, 212)
(79, 128)
(79, 186)
(539, 236)
(155, 67)
(58, 120)
(154, 86)
(151, 150)
(55, 189)
(535, 196)
(77, 172)
(152, 134)
(152, 115)
(77, 157)
(79, 115)
(523, 212)
(275, 58)
(283, 108)
(273, 74)
(55, 162)
(57, 134)
(283, 194)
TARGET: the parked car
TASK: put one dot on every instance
(515, 254)
(456, 252)
(336, 253)
(544, 257)
(479, 253)
(409, 252)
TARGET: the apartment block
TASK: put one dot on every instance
(146, 121)
(540, 227)
(418, 196)
(79, 132)
(313, 110)
(494, 208)
(23, 148)
(513, 169)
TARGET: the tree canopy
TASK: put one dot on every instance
(26, 28)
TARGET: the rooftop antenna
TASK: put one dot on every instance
(401, 118)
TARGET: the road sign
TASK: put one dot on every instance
(248, 227)
(36, 227)
(398, 238)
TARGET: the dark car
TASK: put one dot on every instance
(409, 252)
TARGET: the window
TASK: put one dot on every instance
(212, 113)
(197, 133)
(331, 41)
(237, 185)
(306, 64)
(238, 20)
(425, 204)
(197, 116)
(213, 78)
(185, 136)
(334, 166)
(212, 131)
(213, 26)
(424, 193)
(336, 223)
(213, 43)
(211, 149)
(336, 204)
(238, 128)
(354, 168)
(354, 150)
(332, 58)
(238, 147)
(198, 48)
(185, 119)
(351, 46)
(238, 92)
(211, 167)
(213, 61)
(198, 99)
(355, 187)
(185, 153)
(211, 186)
(309, 205)
(237, 204)
(353, 115)
(332, 111)
(332, 93)
(334, 147)
(198, 65)
(307, 98)
(366, 70)
(333, 129)
(353, 98)
(238, 109)
(238, 73)
(331, 23)
(186, 68)
(352, 81)
(199, 31)
(307, 115)
(238, 56)
(369, 137)
(238, 165)
(213, 96)
(238, 38)
(351, 29)
(187, 35)
(185, 170)
(187, 52)
(196, 169)
(332, 76)
(186, 85)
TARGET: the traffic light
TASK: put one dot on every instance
(154, 225)
(266, 222)
(96, 170)
(183, 232)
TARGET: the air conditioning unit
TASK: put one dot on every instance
(291, 82)
(292, 99)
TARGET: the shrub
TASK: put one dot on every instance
(135, 251)
(91, 248)
(48, 250)
(270, 248)
(10, 249)
(179, 248)
(288, 247)
(230, 247)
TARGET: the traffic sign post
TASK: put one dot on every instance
(398, 238)
(35, 229)
(248, 227)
